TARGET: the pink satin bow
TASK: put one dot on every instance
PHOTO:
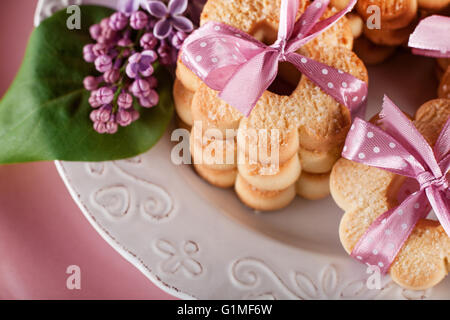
(242, 68)
(408, 154)
(432, 37)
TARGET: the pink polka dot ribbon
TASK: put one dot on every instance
(432, 37)
(242, 68)
(408, 154)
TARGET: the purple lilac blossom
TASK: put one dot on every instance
(169, 17)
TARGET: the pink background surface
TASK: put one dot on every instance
(42, 231)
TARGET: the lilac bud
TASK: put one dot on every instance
(178, 39)
(138, 20)
(148, 41)
(124, 118)
(111, 76)
(111, 127)
(166, 59)
(107, 36)
(90, 83)
(124, 42)
(125, 100)
(94, 115)
(100, 49)
(103, 63)
(101, 39)
(118, 21)
(150, 100)
(105, 95)
(134, 115)
(104, 113)
(165, 54)
(94, 101)
(100, 127)
(104, 23)
(140, 88)
(152, 82)
(88, 53)
(95, 31)
(126, 53)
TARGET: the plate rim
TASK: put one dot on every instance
(134, 261)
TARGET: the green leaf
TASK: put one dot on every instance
(45, 113)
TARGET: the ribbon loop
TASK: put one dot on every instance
(227, 59)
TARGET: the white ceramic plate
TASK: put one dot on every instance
(197, 241)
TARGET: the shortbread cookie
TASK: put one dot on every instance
(433, 5)
(218, 178)
(212, 153)
(183, 101)
(394, 13)
(186, 76)
(323, 123)
(338, 35)
(269, 125)
(389, 37)
(313, 186)
(364, 193)
(438, 72)
(181, 124)
(213, 112)
(339, 4)
(444, 86)
(356, 24)
(318, 162)
(371, 53)
(443, 63)
(263, 200)
(271, 177)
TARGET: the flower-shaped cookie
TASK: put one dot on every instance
(365, 193)
(310, 125)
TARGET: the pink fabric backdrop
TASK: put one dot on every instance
(42, 231)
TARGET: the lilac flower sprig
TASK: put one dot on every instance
(127, 44)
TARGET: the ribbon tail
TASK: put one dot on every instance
(440, 202)
(445, 164)
(343, 87)
(307, 26)
(386, 236)
(308, 19)
(442, 146)
(249, 82)
(288, 12)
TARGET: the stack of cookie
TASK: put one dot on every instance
(296, 136)
(397, 20)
